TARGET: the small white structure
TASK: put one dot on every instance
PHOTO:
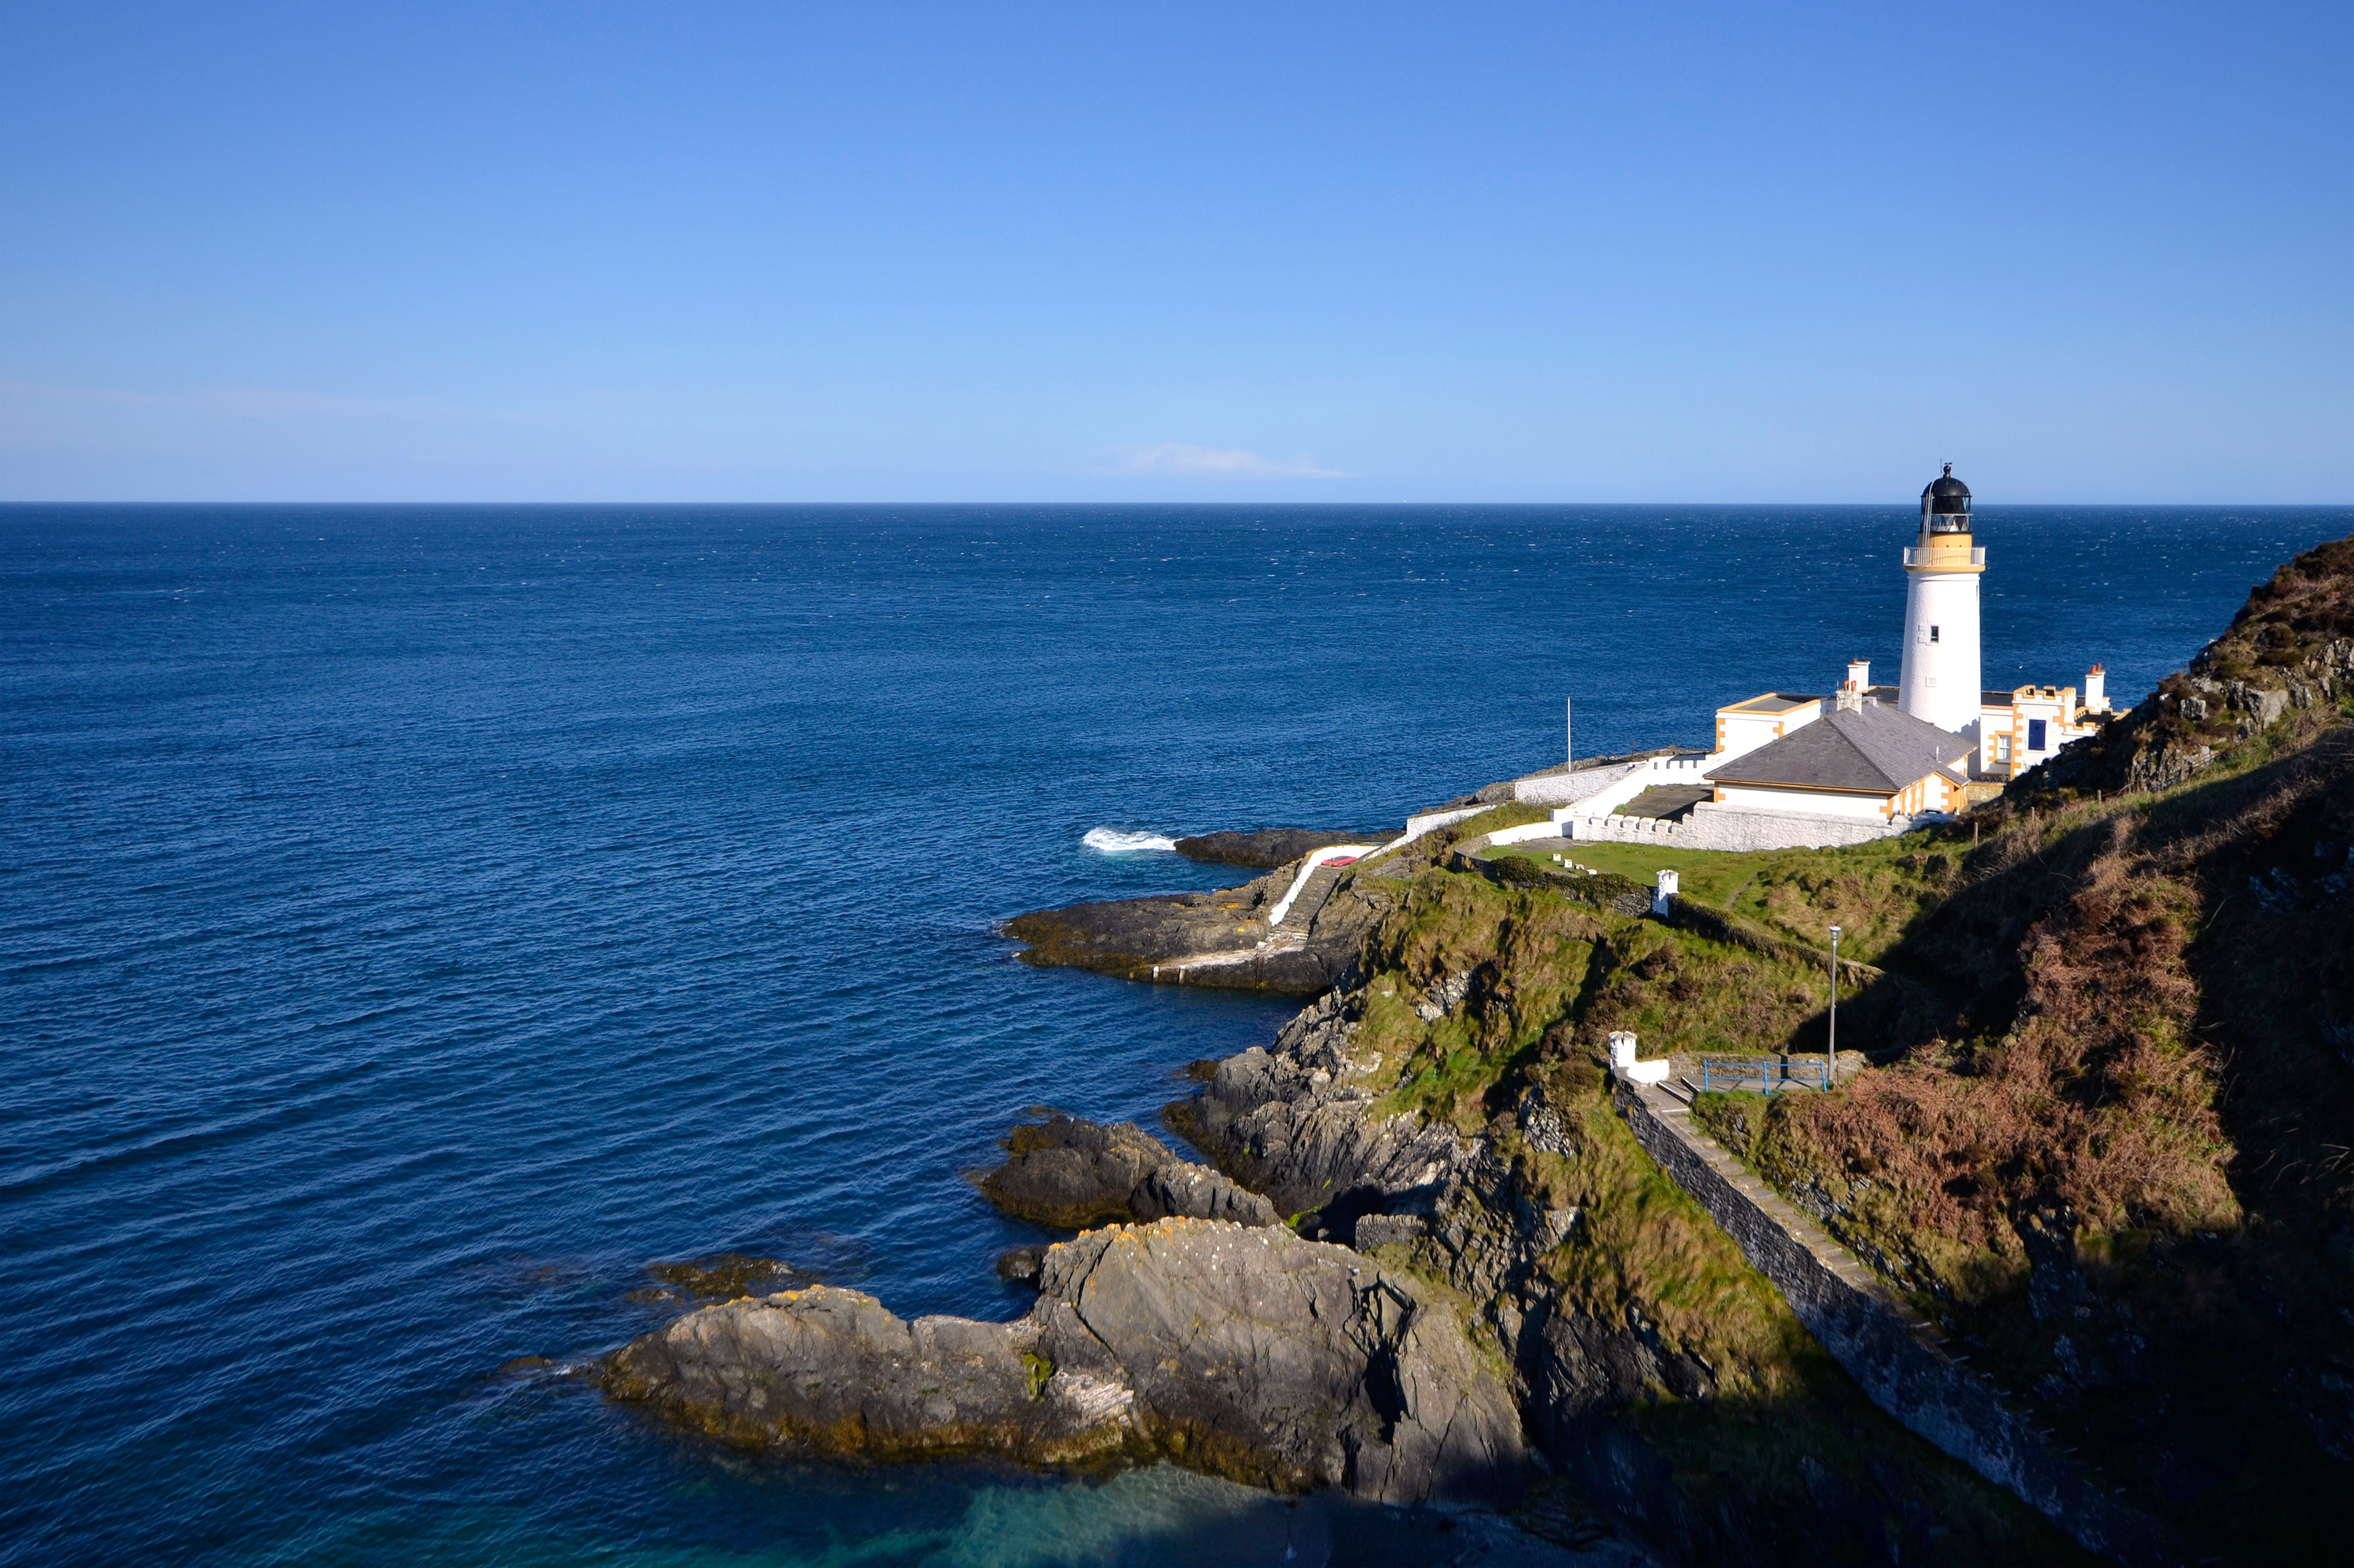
(1624, 1066)
(1661, 891)
(2023, 727)
(1939, 683)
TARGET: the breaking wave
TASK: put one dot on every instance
(1114, 841)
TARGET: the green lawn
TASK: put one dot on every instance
(1708, 875)
(1874, 889)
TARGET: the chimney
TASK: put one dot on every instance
(1850, 699)
(1859, 674)
(2096, 690)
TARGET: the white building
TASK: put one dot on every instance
(1791, 769)
(1851, 768)
(2023, 727)
(1939, 682)
(1743, 726)
(1862, 760)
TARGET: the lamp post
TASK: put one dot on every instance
(1832, 1055)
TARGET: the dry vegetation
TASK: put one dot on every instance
(1759, 1422)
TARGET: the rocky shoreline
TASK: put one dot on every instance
(1242, 1352)
(1225, 939)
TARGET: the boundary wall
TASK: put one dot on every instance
(1714, 827)
(1586, 802)
(1572, 788)
(1901, 1361)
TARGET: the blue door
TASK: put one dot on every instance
(2034, 735)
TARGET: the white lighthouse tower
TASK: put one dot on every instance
(1940, 682)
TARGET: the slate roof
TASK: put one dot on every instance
(1772, 702)
(1876, 747)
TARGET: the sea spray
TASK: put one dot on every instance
(1119, 841)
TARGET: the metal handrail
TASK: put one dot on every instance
(1714, 1074)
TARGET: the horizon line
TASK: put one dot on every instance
(1907, 503)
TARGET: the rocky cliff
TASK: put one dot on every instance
(1245, 1353)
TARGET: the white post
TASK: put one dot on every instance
(1661, 892)
(1833, 1053)
(1622, 1050)
(1569, 731)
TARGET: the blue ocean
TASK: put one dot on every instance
(415, 921)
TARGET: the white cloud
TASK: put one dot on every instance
(1177, 458)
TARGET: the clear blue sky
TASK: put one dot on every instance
(1555, 252)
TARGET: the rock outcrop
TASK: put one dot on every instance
(2289, 650)
(1244, 1352)
(1221, 939)
(1071, 1174)
(1292, 1122)
(1271, 847)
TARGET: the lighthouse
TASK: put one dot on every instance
(1940, 679)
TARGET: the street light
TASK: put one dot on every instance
(1833, 1056)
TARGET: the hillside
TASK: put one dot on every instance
(2103, 1142)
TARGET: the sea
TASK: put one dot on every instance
(415, 921)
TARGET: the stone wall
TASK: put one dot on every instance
(1714, 827)
(1899, 1361)
(1568, 789)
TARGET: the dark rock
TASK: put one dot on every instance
(1271, 847)
(722, 1274)
(1291, 1123)
(1197, 1192)
(1018, 1264)
(1388, 1230)
(1221, 939)
(1071, 1173)
(1243, 1352)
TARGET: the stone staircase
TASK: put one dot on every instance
(1310, 901)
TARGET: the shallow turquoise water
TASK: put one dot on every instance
(415, 920)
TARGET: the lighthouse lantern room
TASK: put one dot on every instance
(1939, 682)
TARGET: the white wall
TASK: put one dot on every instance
(1745, 733)
(1431, 821)
(1809, 802)
(1940, 683)
(1568, 788)
(1714, 827)
(1637, 777)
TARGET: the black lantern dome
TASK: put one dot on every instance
(1946, 505)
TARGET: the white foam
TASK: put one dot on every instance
(1116, 841)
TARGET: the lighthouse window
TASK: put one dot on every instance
(1932, 634)
(2034, 735)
